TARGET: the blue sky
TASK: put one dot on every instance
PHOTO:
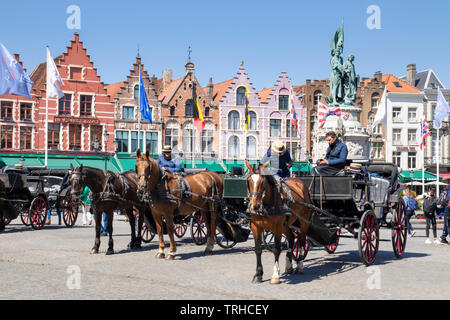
(270, 36)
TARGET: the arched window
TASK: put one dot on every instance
(171, 135)
(283, 100)
(251, 147)
(233, 147)
(252, 120)
(375, 100)
(240, 96)
(317, 97)
(188, 138)
(207, 137)
(136, 92)
(233, 120)
(189, 108)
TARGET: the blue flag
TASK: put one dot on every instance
(442, 110)
(13, 78)
(144, 107)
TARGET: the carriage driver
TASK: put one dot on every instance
(280, 162)
(335, 158)
(166, 162)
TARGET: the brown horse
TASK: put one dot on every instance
(164, 192)
(265, 199)
(109, 190)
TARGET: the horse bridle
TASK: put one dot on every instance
(80, 180)
(256, 193)
(143, 192)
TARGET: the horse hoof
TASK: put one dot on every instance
(208, 253)
(160, 255)
(170, 257)
(257, 279)
(109, 252)
(275, 281)
(289, 271)
(94, 251)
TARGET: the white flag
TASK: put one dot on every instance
(442, 110)
(53, 78)
(381, 116)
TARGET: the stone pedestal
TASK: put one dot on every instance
(349, 130)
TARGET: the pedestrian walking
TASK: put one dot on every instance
(444, 203)
(85, 201)
(411, 206)
(430, 210)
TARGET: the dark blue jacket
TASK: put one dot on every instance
(172, 165)
(337, 156)
(278, 164)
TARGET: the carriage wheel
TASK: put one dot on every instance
(368, 238)
(269, 241)
(70, 212)
(222, 241)
(296, 249)
(332, 247)
(38, 213)
(6, 221)
(399, 229)
(146, 233)
(180, 229)
(198, 229)
(25, 216)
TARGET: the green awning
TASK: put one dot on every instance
(408, 176)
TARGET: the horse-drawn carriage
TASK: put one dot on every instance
(360, 203)
(30, 192)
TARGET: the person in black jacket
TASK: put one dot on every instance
(444, 202)
(429, 209)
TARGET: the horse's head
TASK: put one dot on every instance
(256, 185)
(143, 169)
(76, 180)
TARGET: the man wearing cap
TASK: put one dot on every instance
(280, 160)
(335, 158)
(166, 162)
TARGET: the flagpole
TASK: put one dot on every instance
(438, 160)
(46, 117)
(423, 150)
(139, 111)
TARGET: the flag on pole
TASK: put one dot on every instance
(381, 116)
(14, 79)
(199, 121)
(424, 131)
(442, 110)
(247, 108)
(292, 110)
(144, 107)
(53, 78)
(325, 112)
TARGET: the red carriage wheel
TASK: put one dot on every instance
(296, 249)
(368, 238)
(70, 212)
(147, 234)
(25, 216)
(332, 247)
(399, 229)
(198, 229)
(38, 213)
(180, 229)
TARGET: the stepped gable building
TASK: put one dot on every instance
(369, 93)
(235, 143)
(83, 120)
(276, 124)
(177, 103)
(125, 96)
(18, 118)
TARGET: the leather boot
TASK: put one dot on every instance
(48, 222)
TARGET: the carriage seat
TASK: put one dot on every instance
(191, 171)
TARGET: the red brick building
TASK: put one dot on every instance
(177, 110)
(125, 96)
(81, 121)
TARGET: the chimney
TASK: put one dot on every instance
(378, 76)
(411, 74)
(167, 78)
(210, 89)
